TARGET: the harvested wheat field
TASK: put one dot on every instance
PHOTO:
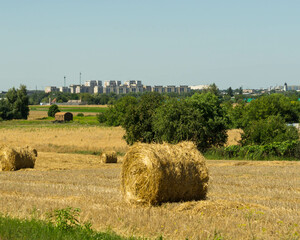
(65, 138)
(245, 199)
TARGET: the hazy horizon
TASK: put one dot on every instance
(253, 44)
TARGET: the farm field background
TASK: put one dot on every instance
(246, 199)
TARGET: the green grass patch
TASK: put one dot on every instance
(50, 122)
(90, 120)
(17, 229)
(71, 109)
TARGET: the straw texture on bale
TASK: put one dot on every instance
(12, 159)
(157, 173)
(109, 157)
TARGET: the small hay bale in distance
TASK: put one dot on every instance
(63, 116)
(109, 157)
(12, 159)
(157, 173)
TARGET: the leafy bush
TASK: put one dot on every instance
(265, 106)
(116, 113)
(289, 149)
(138, 120)
(264, 131)
(199, 119)
(15, 106)
(101, 117)
(80, 115)
(52, 110)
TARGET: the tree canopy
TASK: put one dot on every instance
(15, 105)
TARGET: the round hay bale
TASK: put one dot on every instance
(12, 159)
(109, 157)
(157, 173)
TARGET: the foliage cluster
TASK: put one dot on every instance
(157, 118)
(115, 114)
(15, 105)
(202, 119)
(199, 118)
(269, 130)
(265, 120)
(263, 107)
(286, 149)
(52, 110)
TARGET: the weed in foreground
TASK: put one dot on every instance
(63, 224)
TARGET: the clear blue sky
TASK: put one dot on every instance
(233, 43)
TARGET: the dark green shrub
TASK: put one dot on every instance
(52, 110)
(115, 115)
(101, 117)
(264, 131)
(138, 120)
(297, 151)
(80, 115)
(263, 107)
(272, 105)
(15, 106)
(199, 119)
(286, 149)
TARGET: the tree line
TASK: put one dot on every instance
(204, 118)
(201, 117)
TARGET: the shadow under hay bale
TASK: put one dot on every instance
(109, 157)
(12, 159)
(157, 173)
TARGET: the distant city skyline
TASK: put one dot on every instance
(249, 44)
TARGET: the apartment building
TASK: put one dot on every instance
(115, 86)
(51, 89)
(64, 89)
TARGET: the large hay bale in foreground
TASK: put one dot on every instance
(156, 173)
(12, 159)
(109, 157)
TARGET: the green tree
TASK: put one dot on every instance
(240, 91)
(21, 105)
(212, 89)
(36, 97)
(230, 92)
(116, 113)
(138, 120)
(215, 121)
(52, 110)
(272, 105)
(269, 130)
(4, 110)
(16, 104)
(236, 114)
(199, 118)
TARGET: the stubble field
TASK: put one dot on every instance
(246, 199)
